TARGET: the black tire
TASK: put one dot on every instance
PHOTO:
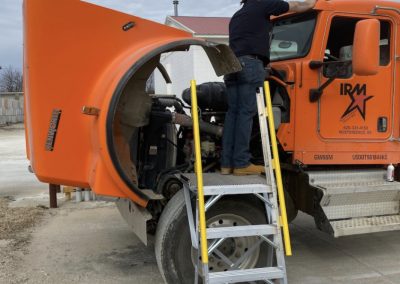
(173, 247)
(291, 209)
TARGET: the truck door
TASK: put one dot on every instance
(355, 107)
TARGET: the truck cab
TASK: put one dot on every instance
(338, 117)
(342, 132)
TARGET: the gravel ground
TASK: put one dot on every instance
(16, 226)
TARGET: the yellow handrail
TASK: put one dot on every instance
(199, 174)
(278, 174)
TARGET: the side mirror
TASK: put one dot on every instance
(366, 47)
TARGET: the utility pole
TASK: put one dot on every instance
(176, 3)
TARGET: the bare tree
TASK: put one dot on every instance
(10, 80)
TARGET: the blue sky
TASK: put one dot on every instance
(157, 10)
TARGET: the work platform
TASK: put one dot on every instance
(216, 184)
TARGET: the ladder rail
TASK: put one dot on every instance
(273, 213)
(277, 168)
(199, 174)
(267, 157)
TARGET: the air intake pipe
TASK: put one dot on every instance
(185, 120)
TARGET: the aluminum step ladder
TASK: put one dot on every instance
(214, 186)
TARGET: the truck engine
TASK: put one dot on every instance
(164, 148)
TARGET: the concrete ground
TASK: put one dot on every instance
(90, 243)
(15, 180)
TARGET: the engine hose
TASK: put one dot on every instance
(186, 120)
(277, 80)
(171, 103)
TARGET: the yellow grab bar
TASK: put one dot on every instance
(278, 174)
(199, 174)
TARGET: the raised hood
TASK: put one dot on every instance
(78, 55)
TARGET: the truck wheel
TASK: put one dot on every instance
(291, 209)
(173, 248)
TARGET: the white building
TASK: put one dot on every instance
(194, 64)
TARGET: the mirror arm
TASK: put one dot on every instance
(315, 94)
(164, 73)
(315, 64)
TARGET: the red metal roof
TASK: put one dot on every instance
(205, 25)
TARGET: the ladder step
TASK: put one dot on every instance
(237, 189)
(248, 275)
(210, 179)
(241, 231)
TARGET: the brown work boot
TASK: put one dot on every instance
(226, 171)
(249, 170)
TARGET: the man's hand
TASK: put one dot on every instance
(301, 6)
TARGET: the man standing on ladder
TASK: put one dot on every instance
(249, 31)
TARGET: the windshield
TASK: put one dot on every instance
(292, 37)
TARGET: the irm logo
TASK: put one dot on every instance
(348, 90)
(359, 98)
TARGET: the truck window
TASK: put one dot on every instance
(292, 37)
(340, 45)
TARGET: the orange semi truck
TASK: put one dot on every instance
(92, 123)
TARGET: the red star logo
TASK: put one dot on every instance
(358, 102)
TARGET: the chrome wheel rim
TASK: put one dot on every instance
(234, 249)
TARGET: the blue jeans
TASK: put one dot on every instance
(242, 107)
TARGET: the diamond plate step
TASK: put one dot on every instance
(360, 203)
(356, 193)
(356, 210)
(366, 225)
(359, 187)
(237, 276)
(346, 176)
(241, 231)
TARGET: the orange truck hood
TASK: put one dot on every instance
(79, 55)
